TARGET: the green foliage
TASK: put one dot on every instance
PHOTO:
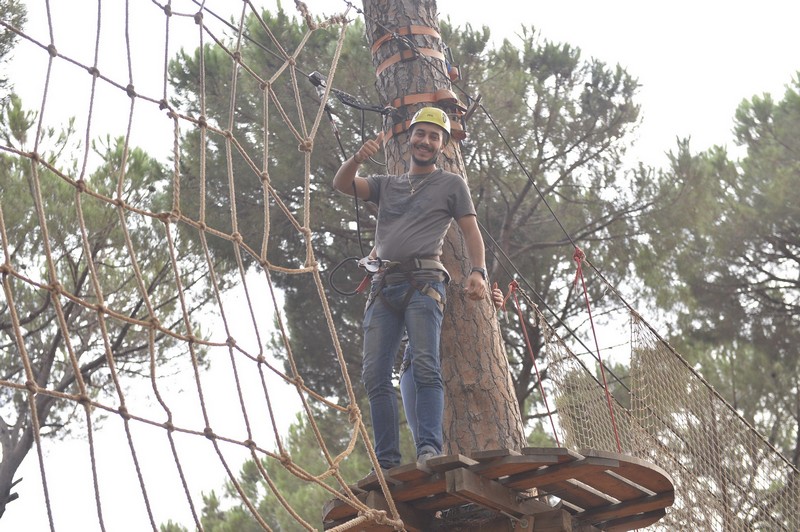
(722, 253)
(14, 14)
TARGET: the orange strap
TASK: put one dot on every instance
(445, 96)
(407, 30)
(408, 55)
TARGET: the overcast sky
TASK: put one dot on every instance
(695, 60)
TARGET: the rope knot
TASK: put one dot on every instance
(354, 413)
(578, 257)
(123, 411)
(209, 433)
(306, 145)
(377, 516)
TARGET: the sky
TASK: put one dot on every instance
(695, 61)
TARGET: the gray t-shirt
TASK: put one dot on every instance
(414, 225)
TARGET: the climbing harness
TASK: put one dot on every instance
(408, 267)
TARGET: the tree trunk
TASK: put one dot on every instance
(481, 411)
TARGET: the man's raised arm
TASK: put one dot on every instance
(346, 175)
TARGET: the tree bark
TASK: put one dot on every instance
(481, 411)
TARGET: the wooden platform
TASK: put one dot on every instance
(591, 490)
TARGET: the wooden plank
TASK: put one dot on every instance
(512, 465)
(552, 521)
(336, 509)
(612, 484)
(371, 482)
(440, 464)
(645, 474)
(410, 491)
(627, 508)
(490, 494)
(414, 472)
(557, 472)
(577, 493)
(635, 521)
(494, 454)
(564, 455)
(442, 501)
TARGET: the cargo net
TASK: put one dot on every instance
(726, 475)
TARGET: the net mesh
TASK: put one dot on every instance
(726, 475)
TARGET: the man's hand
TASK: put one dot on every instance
(476, 286)
(370, 148)
(497, 297)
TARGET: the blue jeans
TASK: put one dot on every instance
(408, 391)
(383, 330)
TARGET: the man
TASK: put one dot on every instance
(414, 212)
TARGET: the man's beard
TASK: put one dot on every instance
(424, 162)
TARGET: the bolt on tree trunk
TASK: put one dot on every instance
(481, 411)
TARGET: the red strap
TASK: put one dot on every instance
(364, 284)
(579, 257)
(512, 289)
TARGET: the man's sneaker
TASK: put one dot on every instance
(371, 478)
(425, 456)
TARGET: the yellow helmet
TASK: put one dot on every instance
(432, 115)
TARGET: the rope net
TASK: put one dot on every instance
(104, 266)
(116, 316)
(726, 475)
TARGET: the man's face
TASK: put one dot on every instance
(426, 143)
